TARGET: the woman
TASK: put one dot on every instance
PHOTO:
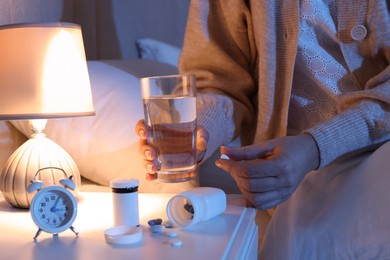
(305, 82)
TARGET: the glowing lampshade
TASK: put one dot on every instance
(43, 74)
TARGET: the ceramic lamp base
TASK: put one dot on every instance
(36, 153)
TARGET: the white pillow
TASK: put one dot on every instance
(105, 146)
(150, 49)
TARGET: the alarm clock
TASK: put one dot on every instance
(53, 208)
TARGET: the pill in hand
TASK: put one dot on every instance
(224, 156)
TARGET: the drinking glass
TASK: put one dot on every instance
(169, 104)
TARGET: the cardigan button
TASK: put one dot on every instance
(359, 32)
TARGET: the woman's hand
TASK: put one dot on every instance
(268, 173)
(150, 155)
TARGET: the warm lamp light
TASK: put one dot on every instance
(43, 74)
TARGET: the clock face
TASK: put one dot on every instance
(53, 209)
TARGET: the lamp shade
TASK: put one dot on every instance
(43, 72)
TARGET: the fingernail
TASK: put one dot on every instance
(141, 133)
(218, 163)
(149, 167)
(148, 154)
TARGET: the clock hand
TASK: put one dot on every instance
(59, 214)
(54, 208)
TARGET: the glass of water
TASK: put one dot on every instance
(170, 116)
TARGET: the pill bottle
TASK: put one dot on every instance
(125, 202)
(199, 204)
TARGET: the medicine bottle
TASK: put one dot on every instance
(199, 204)
(125, 202)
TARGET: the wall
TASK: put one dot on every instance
(33, 11)
(163, 20)
(110, 27)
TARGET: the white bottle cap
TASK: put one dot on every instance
(123, 235)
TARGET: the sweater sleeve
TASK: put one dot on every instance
(363, 123)
(364, 119)
(219, 49)
(215, 114)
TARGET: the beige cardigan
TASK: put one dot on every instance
(245, 50)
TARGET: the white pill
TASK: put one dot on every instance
(224, 156)
(171, 234)
(176, 243)
(168, 224)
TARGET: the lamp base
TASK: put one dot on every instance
(36, 153)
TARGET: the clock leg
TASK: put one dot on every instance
(37, 234)
(74, 230)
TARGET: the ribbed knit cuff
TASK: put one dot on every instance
(215, 114)
(354, 129)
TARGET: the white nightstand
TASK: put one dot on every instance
(231, 235)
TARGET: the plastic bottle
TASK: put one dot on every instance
(191, 207)
(125, 202)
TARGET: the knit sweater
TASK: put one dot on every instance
(243, 54)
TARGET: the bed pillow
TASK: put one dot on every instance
(105, 146)
(151, 49)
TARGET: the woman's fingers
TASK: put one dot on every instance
(248, 152)
(258, 168)
(151, 167)
(140, 129)
(202, 138)
(150, 177)
(151, 164)
(149, 154)
(147, 151)
(262, 196)
(268, 173)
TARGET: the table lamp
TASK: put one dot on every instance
(43, 75)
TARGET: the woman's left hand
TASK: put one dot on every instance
(268, 173)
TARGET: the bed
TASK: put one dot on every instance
(144, 38)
